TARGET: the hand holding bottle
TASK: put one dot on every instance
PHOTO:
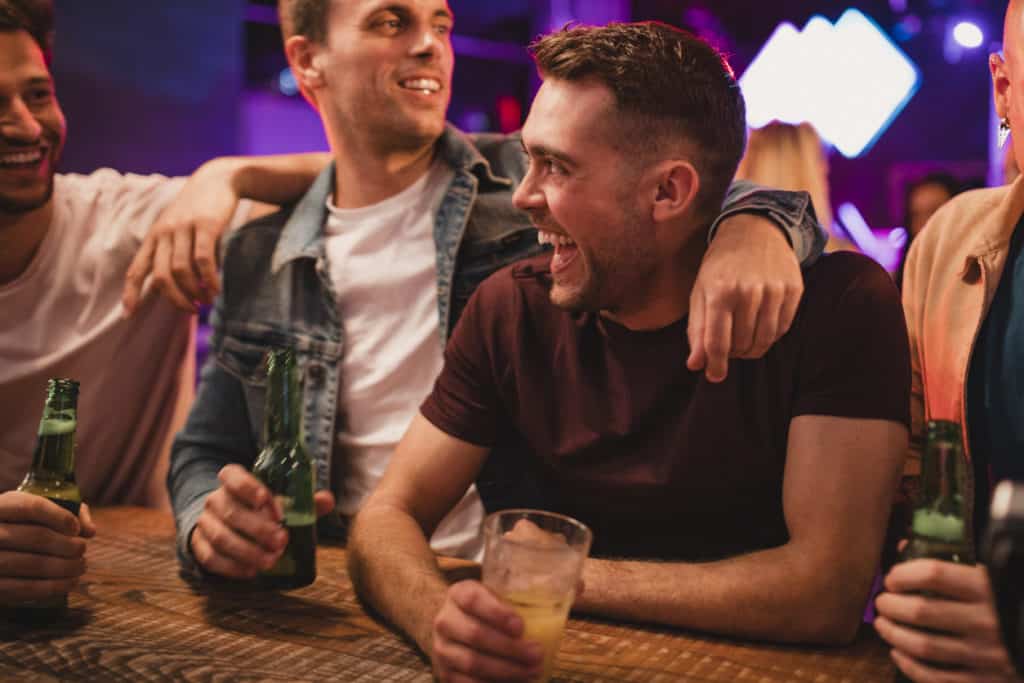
(239, 532)
(941, 614)
(42, 548)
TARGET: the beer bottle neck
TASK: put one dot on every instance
(284, 403)
(940, 513)
(54, 456)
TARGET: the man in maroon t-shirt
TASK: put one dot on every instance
(763, 499)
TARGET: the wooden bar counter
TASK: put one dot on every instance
(134, 618)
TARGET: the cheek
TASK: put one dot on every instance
(53, 121)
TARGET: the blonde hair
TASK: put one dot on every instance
(791, 157)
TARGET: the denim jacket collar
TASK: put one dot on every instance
(458, 150)
(303, 233)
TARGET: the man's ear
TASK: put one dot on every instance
(307, 62)
(1000, 84)
(677, 185)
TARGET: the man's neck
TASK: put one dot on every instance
(364, 176)
(667, 298)
(20, 237)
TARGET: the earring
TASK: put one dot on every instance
(1004, 130)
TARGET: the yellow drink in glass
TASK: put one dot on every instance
(543, 622)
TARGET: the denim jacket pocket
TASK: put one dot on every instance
(243, 359)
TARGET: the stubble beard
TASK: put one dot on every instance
(12, 206)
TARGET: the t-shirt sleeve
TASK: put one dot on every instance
(465, 401)
(856, 360)
(137, 201)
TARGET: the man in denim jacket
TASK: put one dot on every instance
(367, 274)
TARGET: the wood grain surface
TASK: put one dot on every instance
(134, 618)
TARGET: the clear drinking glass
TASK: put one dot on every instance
(533, 561)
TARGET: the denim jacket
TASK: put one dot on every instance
(277, 292)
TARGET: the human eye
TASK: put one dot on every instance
(39, 95)
(389, 24)
(553, 167)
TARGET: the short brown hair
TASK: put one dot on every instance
(304, 18)
(676, 86)
(35, 17)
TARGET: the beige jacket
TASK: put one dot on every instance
(951, 276)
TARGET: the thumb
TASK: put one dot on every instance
(85, 517)
(324, 502)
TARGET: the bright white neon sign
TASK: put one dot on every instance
(848, 80)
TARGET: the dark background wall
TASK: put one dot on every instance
(162, 85)
(149, 85)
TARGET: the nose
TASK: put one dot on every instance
(428, 43)
(18, 122)
(527, 196)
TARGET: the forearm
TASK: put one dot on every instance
(278, 179)
(393, 568)
(216, 434)
(780, 594)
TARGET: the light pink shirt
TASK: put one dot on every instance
(62, 318)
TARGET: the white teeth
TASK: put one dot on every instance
(22, 157)
(424, 85)
(545, 237)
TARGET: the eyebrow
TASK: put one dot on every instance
(545, 151)
(403, 9)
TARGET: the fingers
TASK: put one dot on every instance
(17, 507)
(32, 566)
(954, 581)
(163, 276)
(244, 487)
(85, 518)
(922, 673)
(769, 324)
(185, 276)
(239, 532)
(324, 502)
(41, 554)
(14, 592)
(478, 637)
(40, 541)
(745, 322)
(967, 618)
(250, 529)
(717, 339)
(472, 598)
(942, 649)
(205, 258)
(695, 332)
(222, 550)
(136, 275)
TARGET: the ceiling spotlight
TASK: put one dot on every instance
(968, 34)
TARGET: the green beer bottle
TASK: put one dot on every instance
(939, 525)
(53, 474)
(938, 528)
(286, 469)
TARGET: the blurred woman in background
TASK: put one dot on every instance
(792, 157)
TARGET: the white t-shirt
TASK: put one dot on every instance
(63, 318)
(383, 267)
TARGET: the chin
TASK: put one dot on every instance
(25, 202)
(571, 299)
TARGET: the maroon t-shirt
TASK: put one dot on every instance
(618, 433)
